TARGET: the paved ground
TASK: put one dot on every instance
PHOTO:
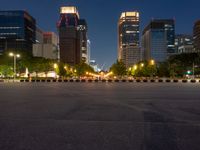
(99, 116)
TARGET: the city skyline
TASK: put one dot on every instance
(107, 21)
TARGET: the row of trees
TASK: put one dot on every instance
(6, 70)
(37, 64)
(175, 66)
(34, 64)
(65, 70)
(142, 69)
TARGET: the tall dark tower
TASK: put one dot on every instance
(69, 36)
(196, 36)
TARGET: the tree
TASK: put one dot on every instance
(179, 64)
(26, 60)
(6, 71)
(69, 70)
(143, 69)
(81, 69)
(36, 64)
(118, 69)
(61, 70)
(163, 69)
(48, 65)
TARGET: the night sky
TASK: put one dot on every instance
(102, 17)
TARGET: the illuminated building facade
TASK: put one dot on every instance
(184, 43)
(69, 36)
(88, 51)
(17, 31)
(128, 38)
(158, 40)
(82, 28)
(196, 36)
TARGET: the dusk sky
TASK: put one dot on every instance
(102, 17)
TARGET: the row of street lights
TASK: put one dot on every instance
(135, 67)
(15, 56)
(152, 62)
(65, 67)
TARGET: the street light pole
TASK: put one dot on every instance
(152, 63)
(15, 56)
(193, 70)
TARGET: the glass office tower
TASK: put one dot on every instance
(17, 31)
(158, 40)
(128, 38)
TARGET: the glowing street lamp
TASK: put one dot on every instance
(152, 62)
(108, 74)
(141, 65)
(55, 66)
(135, 67)
(15, 56)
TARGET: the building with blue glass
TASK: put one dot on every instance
(158, 40)
(17, 31)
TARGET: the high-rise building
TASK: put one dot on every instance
(17, 31)
(39, 35)
(69, 36)
(48, 48)
(196, 36)
(88, 51)
(128, 38)
(82, 28)
(158, 40)
(184, 43)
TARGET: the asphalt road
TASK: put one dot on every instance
(100, 116)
